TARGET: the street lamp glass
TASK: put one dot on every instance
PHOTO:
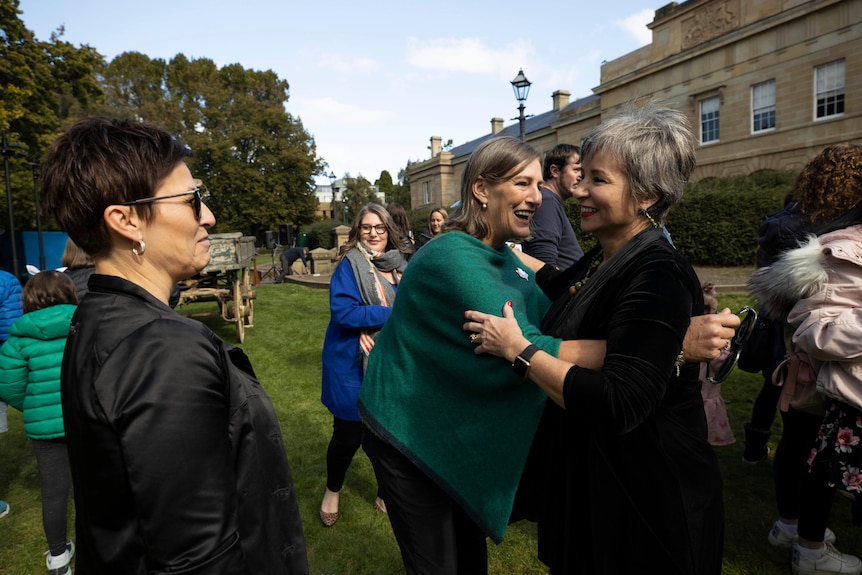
(521, 86)
(331, 177)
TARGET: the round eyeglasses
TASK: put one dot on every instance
(379, 228)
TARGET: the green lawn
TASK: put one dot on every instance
(284, 346)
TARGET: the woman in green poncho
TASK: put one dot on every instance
(449, 430)
(427, 397)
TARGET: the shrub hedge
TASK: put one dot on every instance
(320, 234)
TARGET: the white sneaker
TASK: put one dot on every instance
(832, 561)
(778, 537)
(61, 564)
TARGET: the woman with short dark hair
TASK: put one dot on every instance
(178, 461)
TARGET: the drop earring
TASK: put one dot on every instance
(652, 222)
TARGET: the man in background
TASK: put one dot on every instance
(554, 240)
(288, 257)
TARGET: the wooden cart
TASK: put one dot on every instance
(227, 279)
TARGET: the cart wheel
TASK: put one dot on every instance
(238, 314)
(248, 297)
(249, 310)
(246, 280)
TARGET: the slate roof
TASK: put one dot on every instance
(532, 124)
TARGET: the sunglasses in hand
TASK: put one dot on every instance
(743, 333)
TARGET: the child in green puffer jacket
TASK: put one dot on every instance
(30, 363)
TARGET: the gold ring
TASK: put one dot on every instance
(474, 338)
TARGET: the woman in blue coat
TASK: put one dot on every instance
(30, 363)
(361, 293)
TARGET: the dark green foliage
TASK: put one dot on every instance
(398, 193)
(357, 193)
(43, 86)
(716, 222)
(586, 240)
(384, 185)
(320, 234)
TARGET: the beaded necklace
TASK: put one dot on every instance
(594, 265)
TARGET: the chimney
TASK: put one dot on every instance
(561, 99)
(496, 126)
(436, 146)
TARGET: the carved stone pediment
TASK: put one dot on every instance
(711, 21)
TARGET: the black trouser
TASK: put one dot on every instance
(801, 495)
(286, 264)
(346, 439)
(435, 535)
(765, 404)
(55, 479)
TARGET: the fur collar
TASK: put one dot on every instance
(796, 274)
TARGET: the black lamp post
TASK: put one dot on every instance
(334, 191)
(521, 86)
(34, 166)
(9, 150)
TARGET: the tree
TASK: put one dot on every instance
(255, 159)
(357, 192)
(42, 86)
(384, 185)
(401, 191)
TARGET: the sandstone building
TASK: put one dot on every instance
(766, 84)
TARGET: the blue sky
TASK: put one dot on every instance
(373, 81)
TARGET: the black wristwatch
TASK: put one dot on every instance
(521, 366)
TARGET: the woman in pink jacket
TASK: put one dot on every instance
(820, 283)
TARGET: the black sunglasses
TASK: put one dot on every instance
(196, 202)
(746, 327)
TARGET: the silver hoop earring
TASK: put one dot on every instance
(140, 248)
(650, 218)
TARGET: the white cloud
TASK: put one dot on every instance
(328, 111)
(636, 26)
(467, 55)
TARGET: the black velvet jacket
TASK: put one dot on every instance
(177, 458)
(629, 454)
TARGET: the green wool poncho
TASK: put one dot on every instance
(466, 420)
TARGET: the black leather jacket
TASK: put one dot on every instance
(177, 458)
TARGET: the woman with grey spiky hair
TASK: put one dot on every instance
(622, 449)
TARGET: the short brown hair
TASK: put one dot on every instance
(558, 156)
(46, 289)
(100, 162)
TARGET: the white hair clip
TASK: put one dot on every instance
(33, 270)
